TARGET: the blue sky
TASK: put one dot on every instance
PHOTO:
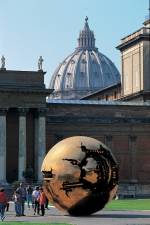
(30, 28)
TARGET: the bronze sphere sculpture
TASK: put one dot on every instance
(80, 175)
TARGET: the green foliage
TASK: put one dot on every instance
(129, 204)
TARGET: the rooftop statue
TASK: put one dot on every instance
(40, 62)
(2, 62)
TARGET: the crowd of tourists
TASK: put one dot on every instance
(33, 196)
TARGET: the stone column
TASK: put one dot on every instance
(132, 150)
(3, 146)
(22, 143)
(40, 141)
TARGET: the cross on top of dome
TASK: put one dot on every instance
(86, 19)
(86, 25)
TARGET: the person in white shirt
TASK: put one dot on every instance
(35, 197)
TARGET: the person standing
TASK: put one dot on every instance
(46, 203)
(17, 200)
(22, 191)
(3, 202)
(35, 197)
(29, 191)
(42, 201)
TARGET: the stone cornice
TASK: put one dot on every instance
(24, 71)
(135, 95)
(104, 103)
(96, 120)
(132, 42)
(26, 90)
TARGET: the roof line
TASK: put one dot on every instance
(95, 102)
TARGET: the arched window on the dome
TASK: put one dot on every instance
(83, 61)
(72, 61)
(69, 81)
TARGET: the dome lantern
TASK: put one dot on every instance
(86, 38)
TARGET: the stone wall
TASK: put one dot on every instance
(125, 129)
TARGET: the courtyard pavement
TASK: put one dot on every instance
(103, 217)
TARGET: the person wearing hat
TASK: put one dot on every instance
(3, 202)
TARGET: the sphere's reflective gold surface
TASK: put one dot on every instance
(80, 175)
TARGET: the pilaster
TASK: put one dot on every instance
(108, 141)
(40, 140)
(132, 153)
(22, 142)
(3, 146)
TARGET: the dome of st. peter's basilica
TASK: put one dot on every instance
(84, 71)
